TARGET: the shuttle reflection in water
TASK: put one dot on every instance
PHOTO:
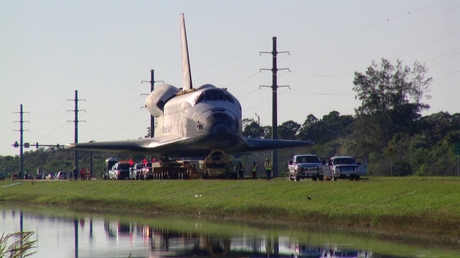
(98, 236)
(164, 242)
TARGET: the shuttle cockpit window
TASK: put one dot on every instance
(214, 95)
(229, 98)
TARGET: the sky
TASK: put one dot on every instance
(105, 49)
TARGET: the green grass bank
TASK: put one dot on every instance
(412, 204)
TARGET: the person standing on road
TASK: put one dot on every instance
(268, 168)
(88, 174)
(82, 173)
(241, 170)
(254, 170)
(75, 173)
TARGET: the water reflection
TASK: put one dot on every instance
(171, 243)
(89, 235)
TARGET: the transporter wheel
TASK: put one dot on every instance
(321, 178)
(314, 178)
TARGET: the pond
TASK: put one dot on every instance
(66, 233)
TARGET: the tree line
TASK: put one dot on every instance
(389, 118)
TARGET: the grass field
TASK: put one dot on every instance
(411, 204)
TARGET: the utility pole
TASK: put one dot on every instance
(152, 119)
(274, 87)
(21, 141)
(91, 164)
(76, 125)
(457, 152)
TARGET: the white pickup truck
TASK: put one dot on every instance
(344, 167)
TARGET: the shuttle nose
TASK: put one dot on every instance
(221, 125)
(220, 128)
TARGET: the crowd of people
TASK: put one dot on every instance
(84, 173)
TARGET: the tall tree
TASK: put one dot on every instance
(253, 130)
(385, 92)
(246, 121)
(329, 128)
(267, 134)
(308, 131)
(288, 130)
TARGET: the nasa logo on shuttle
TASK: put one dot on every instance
(199, 126)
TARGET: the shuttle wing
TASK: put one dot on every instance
(163, 146)
(186, 147)
(269, 144)
(252, 145)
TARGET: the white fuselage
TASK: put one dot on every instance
(206, 110)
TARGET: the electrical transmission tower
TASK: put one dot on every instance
(76, 125)
(274, 87)
(21, 144)
(152, 119)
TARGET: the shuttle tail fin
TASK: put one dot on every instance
(186, 72)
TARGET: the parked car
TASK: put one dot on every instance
(305, 166)
(2, 176)
(136, 171)
(346, 167)
(362, 166)
(108, 164)
(147, 171)
(49, 176)
(60, 175)
(119, 171)
(40, 176)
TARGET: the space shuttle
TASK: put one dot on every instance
(191, 122)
